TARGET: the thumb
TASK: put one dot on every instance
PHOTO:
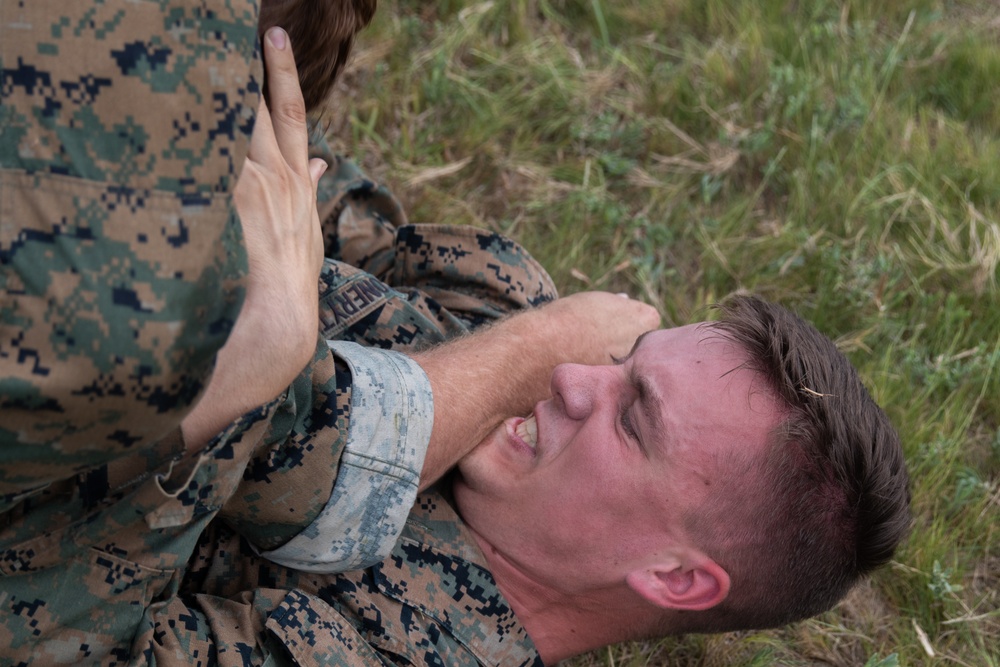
(317, 167)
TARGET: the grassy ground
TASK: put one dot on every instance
(841, 157)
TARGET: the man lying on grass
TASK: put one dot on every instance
(718, 476)
(723, 475)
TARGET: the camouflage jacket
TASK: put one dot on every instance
(431, 602)
(122, 126)
(102, 568)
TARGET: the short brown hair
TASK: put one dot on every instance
(322, 34)
(829, 500)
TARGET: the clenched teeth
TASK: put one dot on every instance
(528, 431)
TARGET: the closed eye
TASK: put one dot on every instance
(626, 421)
(624, 418)
(639, 393)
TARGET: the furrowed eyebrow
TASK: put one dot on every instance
(649, 400)
(635, 346)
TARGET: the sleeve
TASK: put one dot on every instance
(391, 418)
(329, 488)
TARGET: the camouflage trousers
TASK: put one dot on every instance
(96, 569)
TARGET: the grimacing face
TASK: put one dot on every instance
(597, 481)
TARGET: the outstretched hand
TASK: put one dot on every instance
(275, 196)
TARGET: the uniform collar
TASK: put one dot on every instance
(457, 589)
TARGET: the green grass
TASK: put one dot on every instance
(840, 157)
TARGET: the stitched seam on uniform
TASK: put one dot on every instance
(386, 469)
(395, 366)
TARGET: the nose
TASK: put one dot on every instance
(576, 388)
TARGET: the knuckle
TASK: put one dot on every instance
(292, 111)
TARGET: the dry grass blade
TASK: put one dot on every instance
(433, 173)
(718, 160)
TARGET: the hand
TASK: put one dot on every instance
(595, 327)
(276, 199)
(275, 334)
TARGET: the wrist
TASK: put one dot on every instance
(262, 356)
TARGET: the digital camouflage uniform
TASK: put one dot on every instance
(432, 601)
(119, 584)
(122, 129)
(122, 268)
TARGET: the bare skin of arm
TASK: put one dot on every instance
(477, 381)
(481, 379)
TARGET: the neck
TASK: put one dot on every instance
(563, 624)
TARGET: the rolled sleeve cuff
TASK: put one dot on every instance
(391, 415)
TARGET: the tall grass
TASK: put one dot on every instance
(840, 157)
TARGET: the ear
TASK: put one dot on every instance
(673, 586)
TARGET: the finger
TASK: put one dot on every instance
(262, 141)
(288, 111)
(651, 317)
(317, 167)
